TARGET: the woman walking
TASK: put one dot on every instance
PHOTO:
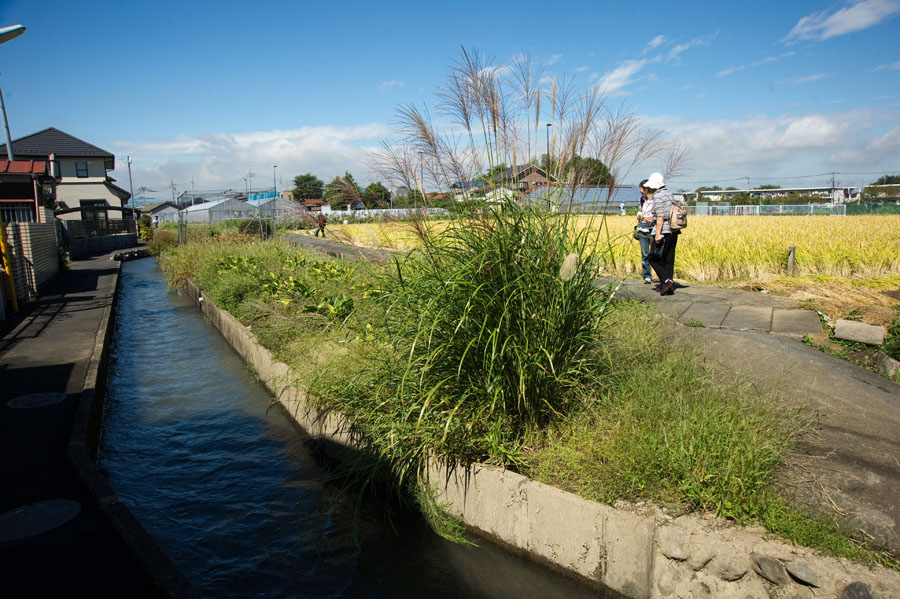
(664, 239)
(644, 232)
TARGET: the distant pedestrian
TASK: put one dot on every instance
(643, 232)
(622, 208)
(320, 225)
(664, 239)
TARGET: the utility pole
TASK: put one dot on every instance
(192, 190)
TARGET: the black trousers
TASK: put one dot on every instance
(665, 266)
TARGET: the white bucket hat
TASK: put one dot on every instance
(655, 181)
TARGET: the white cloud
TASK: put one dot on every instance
(612, 83)
(731, 70)
(694, 43)
(553, 59)
(655, 43)
(856, 16)
(581, 69)
(808, 78)
(892, 66)
(889, 143)
(788, 145)
(387, 86)
(221, 160)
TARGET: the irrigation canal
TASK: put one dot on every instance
(228, 488)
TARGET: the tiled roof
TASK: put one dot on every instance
(157, 205)
(23, 166)
(53, 141)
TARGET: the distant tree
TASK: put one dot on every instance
(308, 186)
(493, 173)
(708, 188)
(376, 195)
(769, 187)
(410, 200)
(343, 192)
(880, 193)
(587, 171)
(887, 180)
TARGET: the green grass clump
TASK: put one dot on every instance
(489, 330)
(663, 428)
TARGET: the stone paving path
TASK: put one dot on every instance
(711, 307)
(734, 309)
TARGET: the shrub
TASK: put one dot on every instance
(256, 227)
(892, 341)
(145, 227)
(160, 241)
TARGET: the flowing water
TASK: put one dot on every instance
(228, 488)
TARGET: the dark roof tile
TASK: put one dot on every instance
(53, 141)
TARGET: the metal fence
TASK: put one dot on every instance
(768, 210)
(214, 215)
(76, 229)
(17, 214)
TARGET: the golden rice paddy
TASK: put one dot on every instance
(845, 262)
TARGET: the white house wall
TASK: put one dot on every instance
(72, 192)
(67, 168)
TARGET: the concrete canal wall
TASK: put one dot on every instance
(635, 551)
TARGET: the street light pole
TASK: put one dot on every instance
(6, 34)
(549, 163)
(131, 187)
(274, 184)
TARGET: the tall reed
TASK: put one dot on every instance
(491, 332)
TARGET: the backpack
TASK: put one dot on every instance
(677, 217)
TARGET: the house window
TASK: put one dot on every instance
(81, 169)
(93, 210)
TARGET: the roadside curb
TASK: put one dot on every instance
(82, 450)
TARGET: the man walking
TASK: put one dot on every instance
(320, 225)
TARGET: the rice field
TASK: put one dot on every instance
(727, 248)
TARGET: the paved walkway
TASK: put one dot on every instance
(728, 309)
(55, 346)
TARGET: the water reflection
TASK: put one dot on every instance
(231, 493)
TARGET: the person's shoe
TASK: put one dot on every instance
(666, 287)
(647, 280)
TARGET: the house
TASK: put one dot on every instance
(27, 187)
(464, 189)
(160, 212)
(825, 193)
(316, 205)
(27, 191)
(85, 191)
(523, 178)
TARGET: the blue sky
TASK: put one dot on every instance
(774, 91)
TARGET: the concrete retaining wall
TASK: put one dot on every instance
(104, 243)
(633, 551)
